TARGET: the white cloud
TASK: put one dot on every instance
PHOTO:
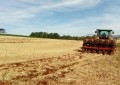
(22, 10)
(108, 20)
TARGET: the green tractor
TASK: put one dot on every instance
(102, 43)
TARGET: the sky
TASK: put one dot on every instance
(66, 17)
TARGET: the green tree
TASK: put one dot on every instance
(55, 36)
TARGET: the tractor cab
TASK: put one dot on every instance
(104, 33)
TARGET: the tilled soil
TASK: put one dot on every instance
(57, 62)
(71, 69)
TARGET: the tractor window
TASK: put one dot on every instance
(104, 34)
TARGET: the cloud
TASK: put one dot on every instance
(18, 12)
(108, 20)
(21, 10)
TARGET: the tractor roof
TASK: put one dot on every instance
(104, 30)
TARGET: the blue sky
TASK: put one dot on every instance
(66, 17)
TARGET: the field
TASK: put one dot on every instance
(35, 61)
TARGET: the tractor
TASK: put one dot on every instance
(103, 42)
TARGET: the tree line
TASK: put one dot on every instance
(55, 36)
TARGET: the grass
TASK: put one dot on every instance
(118, 46)
(21, 48)
(117, 57)
(26, 61)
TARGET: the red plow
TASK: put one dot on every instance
(100, 44)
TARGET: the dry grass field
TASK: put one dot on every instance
(13, 49)
(34, 61)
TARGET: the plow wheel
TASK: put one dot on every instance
(88, 50)
(99, 51)
(111, 52)
(93, 51)
(84, 50)
(104, 52)
(96, 51)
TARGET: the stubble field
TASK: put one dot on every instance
(35, 61)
